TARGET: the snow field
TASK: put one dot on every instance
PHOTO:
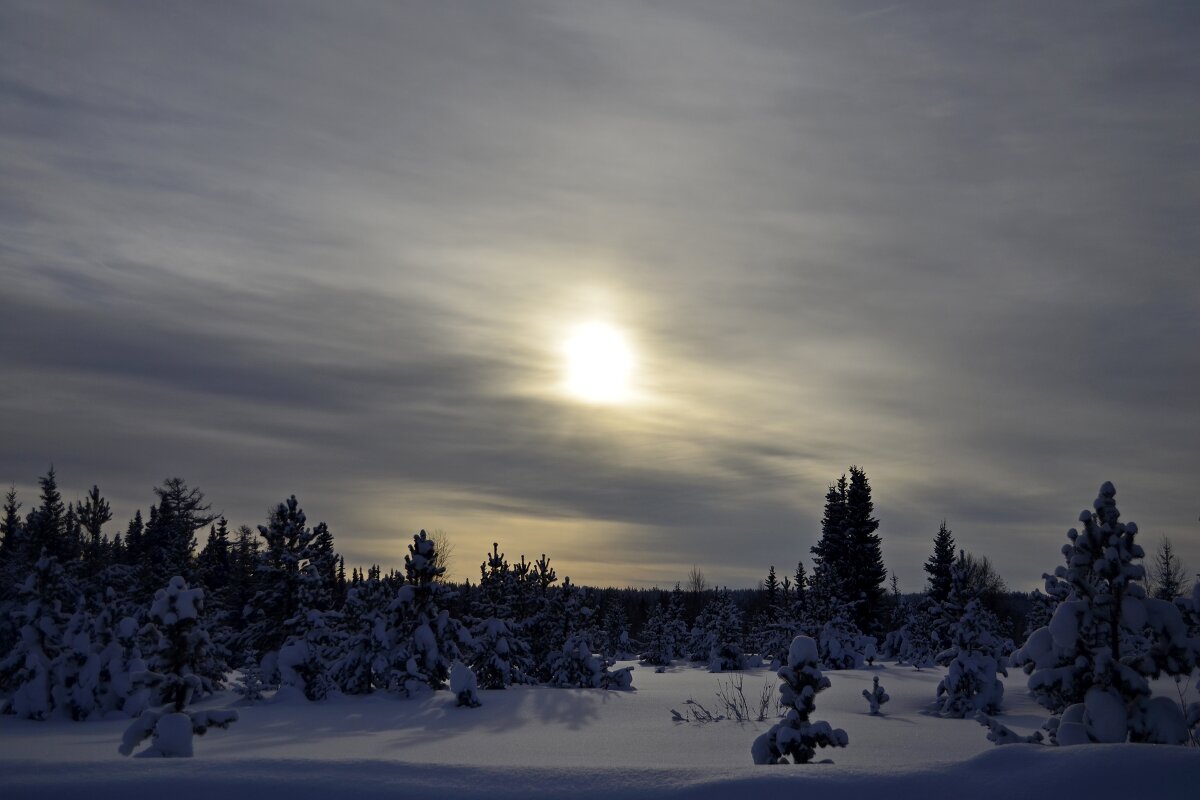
(544, 741)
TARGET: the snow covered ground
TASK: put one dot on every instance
(588, 743)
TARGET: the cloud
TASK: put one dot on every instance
(333, 253)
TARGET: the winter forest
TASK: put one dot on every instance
(178, 624)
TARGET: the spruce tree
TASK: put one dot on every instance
(865, 573)
(46, 525)
(940, 563)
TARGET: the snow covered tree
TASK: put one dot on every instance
(665, 635)
(796, 736)
(841, 644)
(249, 683)
(614, 639)
(1076, 664)
(180, 650)
(913, 642)
(717, 635)
(290, 620)
(500, 654)
(974, 658)
(426, 639)
(876, 696)
(462, 683)
(362, 664)
(27, 671)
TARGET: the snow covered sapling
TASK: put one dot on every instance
(795, 736)
(842, 644)
(250, 683)
(876, 696)
(1077, 665)
(463, 684)
(970, 684)
(182, 646)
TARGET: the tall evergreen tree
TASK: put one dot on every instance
(940, 564)
(865, 573)
(46, 525)
(92, 516)
(427, 639)
(771, 594)
(829, 553)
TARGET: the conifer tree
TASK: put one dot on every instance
(27, 671)
(940, 564)
(178, 664)
(362, 665)
(427, 640)
(170, 536)
(1077, 665)
(46, 525)
(501, 654)
(771, 594)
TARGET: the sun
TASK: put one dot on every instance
(599, 364)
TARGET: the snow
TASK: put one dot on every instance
(532, 741)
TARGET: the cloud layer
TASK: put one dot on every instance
(292, 248)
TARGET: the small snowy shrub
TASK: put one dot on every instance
(796, 736)
(970, 685)
(463, 684)
(250, 683)
(876, 696)
(842, 643)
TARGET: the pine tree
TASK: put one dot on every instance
(291, 623)
(796, 736)
(940, 564)
(500, 655)
(427, 639)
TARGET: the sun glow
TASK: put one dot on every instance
(599, 364)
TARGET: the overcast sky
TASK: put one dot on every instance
(334, 249)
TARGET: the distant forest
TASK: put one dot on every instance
(277, 605)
